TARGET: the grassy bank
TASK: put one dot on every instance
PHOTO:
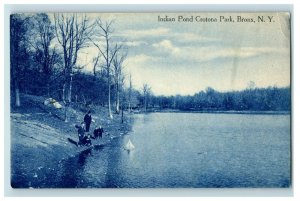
(39, 138)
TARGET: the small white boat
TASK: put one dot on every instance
(129, 146)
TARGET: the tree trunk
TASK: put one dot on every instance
(84, 100)
(66, 112)
(69, 91)
(17, 94)
(67, 95)
(122, 116)
(130, 91)
(67, 88)
(118, 106)
(118, 101)
(109, 105)
(129, 101)
(145, 106)
(64, 93)
(48, 89)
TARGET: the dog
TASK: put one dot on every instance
(98, 132)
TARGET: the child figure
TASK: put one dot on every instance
(98, 132)
(80, 130)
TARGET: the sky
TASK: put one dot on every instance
(187, 57)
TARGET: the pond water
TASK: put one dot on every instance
(189, 150)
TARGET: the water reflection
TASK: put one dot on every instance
(83, 157)
(113, 164)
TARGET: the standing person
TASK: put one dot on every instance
(88, 120)
(80, 130)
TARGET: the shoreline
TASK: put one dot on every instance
(221, 112)
(35, 163)
(39, 142)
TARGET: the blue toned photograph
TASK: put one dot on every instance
(150, 100)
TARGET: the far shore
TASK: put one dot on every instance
(217, 111)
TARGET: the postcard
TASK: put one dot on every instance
(150, 100)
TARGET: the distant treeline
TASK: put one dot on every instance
(255, 99)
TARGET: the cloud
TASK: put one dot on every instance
(214, 52)
(194, 54)
(140, 59)
(161, 32)
(160, 72)
(142, 33)
(166, 46)
(192, 37)
(134, 43)
(165, 53)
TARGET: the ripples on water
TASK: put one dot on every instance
(189, 150)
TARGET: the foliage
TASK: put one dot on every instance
(257, 99)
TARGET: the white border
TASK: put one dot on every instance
(4, 73)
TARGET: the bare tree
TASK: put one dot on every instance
(146, 94)
(73, 33)
(251, 85)
(129, 94)
(95, 63)
(18, 51)
(40, 40)
(108, 50)
(118, 77)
